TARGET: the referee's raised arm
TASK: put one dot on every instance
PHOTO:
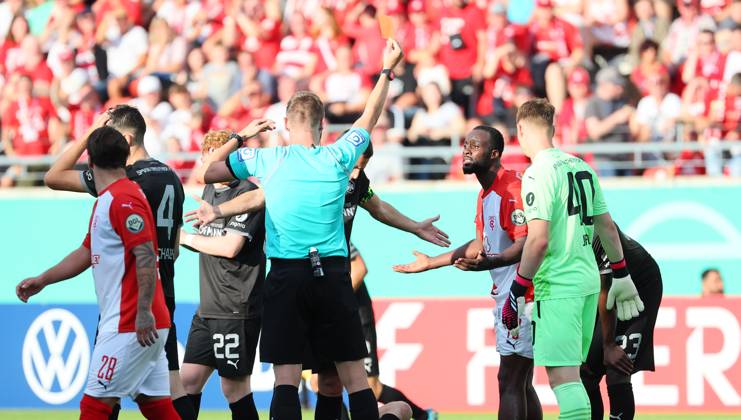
(392, 54)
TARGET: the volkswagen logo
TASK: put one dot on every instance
(56, 356)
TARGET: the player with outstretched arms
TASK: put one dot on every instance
(128, 357)
(164, 192)
(564, 207)
(500, 236)
(621, 348)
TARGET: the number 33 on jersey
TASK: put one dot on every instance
(563, 190)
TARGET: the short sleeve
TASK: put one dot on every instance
(365, 192)
(250, 161)
(86, 241)
(573, 37)
(130, 219)
(348, 148)
(353, 252)
(591, 110)
(88, 182)
(599, 203)
(537, 195)
(512, 217)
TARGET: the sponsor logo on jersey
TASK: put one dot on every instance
(246, 153)
(134, 223)
(242, 217)
(129, 205)
(530, 199)
(94, 259)
(355, 139)
(492, 222)
(56, 356)
(518, 217)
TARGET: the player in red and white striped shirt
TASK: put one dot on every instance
(128, 357)
(500, 236)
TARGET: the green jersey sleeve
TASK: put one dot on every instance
(598, 203)
(537, 194)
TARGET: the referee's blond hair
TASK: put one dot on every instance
(305, 108)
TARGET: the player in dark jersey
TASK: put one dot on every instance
(620, 349)
(359, 193)
(225, 329)
(164, 192)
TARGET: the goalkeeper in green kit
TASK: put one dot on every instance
(564, 207)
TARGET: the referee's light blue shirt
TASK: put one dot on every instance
(304, 193)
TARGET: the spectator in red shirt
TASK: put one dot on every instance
(556, 47)
(327, 39)
(34, 66)
(362, 26)
(255, 27)
(462, 49)
(505, 67)
(706, 62)
(683, 32)
(296, 57)
(248, 104)
(421, 39)
(649, 64)
(30, 127)
(572, 128)
(10, 51)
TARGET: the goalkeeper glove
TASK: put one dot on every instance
(515, 304)
(623, 293)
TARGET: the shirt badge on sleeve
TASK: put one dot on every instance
(134, 223)
(246, 153)
(355, 139)
(518, 217)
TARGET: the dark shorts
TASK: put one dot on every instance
(228, 345)
(635, 336)
(368, 325)
(302, 311)
(171, 345)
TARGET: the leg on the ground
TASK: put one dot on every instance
(573, 402)
(363, 405)
(285, 404)
(329, 398)
(238, 394)
(620, 392)
(157, 408)
(194, 378)
(512, 378)
(534, 409)
(181, 401)
(92, 408)
(396, 410)
(388, 394)
(591, 384)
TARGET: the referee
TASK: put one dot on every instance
(224, 331)
(308, 298)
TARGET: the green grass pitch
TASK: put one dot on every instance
(224, 415)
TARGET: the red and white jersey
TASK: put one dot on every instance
(121, 220)
(500, 219)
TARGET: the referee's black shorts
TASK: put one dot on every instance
(301, 310)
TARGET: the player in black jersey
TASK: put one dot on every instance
(225, 329)
(620, 349)
(359, 193)
(164, 192)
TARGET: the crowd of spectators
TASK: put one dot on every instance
(616, 71)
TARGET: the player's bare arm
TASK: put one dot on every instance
(358, 271)
(511, 255)
(247, 202)
(227, 246)
(424, 262)
(535, 248)
(623, 292)
(146, 278)
(214, 167)
(72, 265)
(389, 215)
(614, 355)
(392, 54)
(62, 175)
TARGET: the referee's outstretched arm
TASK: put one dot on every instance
(392, 55)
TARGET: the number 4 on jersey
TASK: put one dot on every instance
(166, 205)
(578, 202)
